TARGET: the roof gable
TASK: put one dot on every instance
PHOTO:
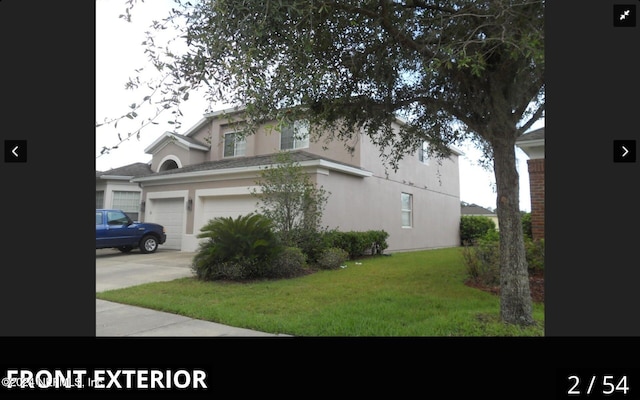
(181, 140)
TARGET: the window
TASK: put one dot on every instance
(128, 202)
(295, 136)
(407, 210)
(117, 218)
(234, 145)
(423, 153)
(99, 198)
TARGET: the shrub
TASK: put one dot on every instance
(378, 241)
(235, 270)
(526, 225)
(483, 259)
(357, 244)
(332, 258)
(245, 244)
(472, 227)
(287, 264)
(309, 241)
(535, 254)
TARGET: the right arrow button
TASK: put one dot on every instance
(624, 151)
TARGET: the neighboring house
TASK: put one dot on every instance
(474, 210)
(210, 172)
(114, 188)
(532, 143)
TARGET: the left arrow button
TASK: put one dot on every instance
(15, 151)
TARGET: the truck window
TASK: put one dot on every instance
(116, 218)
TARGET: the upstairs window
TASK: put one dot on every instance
(423, 153)
(295, 136)
(234, 145)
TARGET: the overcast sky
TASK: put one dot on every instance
(119, 52)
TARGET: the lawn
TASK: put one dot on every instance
(404, 294)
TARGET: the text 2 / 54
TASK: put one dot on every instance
(597, 385)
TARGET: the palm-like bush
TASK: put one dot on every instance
(236, 248)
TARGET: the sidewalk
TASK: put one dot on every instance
(114, 319)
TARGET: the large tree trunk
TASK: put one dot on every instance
(515, 294)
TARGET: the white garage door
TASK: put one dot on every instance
(170, 213)
(227, 206)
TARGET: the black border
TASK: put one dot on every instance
(47, 287)
(591, 269)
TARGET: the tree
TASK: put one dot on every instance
(289, 198)
(453, 70)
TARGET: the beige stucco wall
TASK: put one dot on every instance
(356, 203)
(266, 140)
(374, 203)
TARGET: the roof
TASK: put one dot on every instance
(474, 209)
(182, 140)
(252, 165)
(534, 135)
(532, 143)
(243, 162)
(126, 171)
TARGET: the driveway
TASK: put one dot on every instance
(115, 270)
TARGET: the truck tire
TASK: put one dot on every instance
(125, 249)
(148, 244)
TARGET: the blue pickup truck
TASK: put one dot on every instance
(115, 229)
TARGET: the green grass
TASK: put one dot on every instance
(406, 294)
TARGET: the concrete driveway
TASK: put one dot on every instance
(115, 270)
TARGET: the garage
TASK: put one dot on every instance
(170, 213)
(227, 206)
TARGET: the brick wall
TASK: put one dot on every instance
(536, 187)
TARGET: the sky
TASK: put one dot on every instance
(119, 52)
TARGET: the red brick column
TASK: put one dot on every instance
(536, 187)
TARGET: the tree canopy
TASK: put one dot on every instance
(453, 70)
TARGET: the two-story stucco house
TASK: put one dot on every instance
(210, 172)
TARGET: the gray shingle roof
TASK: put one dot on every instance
(474, 209)
(134, 169)
(242, 162)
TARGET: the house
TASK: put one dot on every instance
(532, 143)
(467, 209)
(210, 171)
(114, 188)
